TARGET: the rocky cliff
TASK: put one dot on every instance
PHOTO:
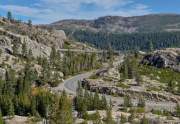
(167, 58)
(37, 39)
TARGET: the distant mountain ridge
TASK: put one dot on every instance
(119, 24)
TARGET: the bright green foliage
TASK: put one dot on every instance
(62, 111)
(22, 104)
(75, 63)
(6, 105)
(16, 97)
(128, 69)
(87, 101)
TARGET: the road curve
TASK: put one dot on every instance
(70, 85)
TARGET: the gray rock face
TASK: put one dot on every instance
(109, 90)
(169, 58)
(39, 40)
(7, 38)
(38, 48)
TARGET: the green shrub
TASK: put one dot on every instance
(122, 85)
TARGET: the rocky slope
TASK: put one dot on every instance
(167, 58)
(147, 23)
(94, 85)
(37, 39)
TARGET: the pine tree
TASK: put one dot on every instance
(10, 83)
(127, 101)
(103, 102)
(141, 102)
(178, 110)
(24, 50)
(171, 85)
(10, 111)
(30, 55)
(30, 23)
(1, 118)
(63, 111)
(178, 88)
(138, 78)
(19, 85)
(33, 106)
(0, 52)
(110, 53)
(15, 48)
(123, 119)
(43, 103)
(45, 71)
(9, 15)
(144, 120)
(125, 69)
(151, 48)
(53, 56)
(131, 117)
(96, 100)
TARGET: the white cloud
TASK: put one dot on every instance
(77, 3)
(24, 10)
(46, 11)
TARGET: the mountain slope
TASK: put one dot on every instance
(118, 24)
(125, 33)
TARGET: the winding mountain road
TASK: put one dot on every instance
(70, 85)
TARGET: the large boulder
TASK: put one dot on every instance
(168, 58)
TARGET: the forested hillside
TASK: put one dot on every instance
(31, 64)
(119, 24)
(134, 41)
(125, 33)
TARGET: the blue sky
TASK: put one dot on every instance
(47, 11)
